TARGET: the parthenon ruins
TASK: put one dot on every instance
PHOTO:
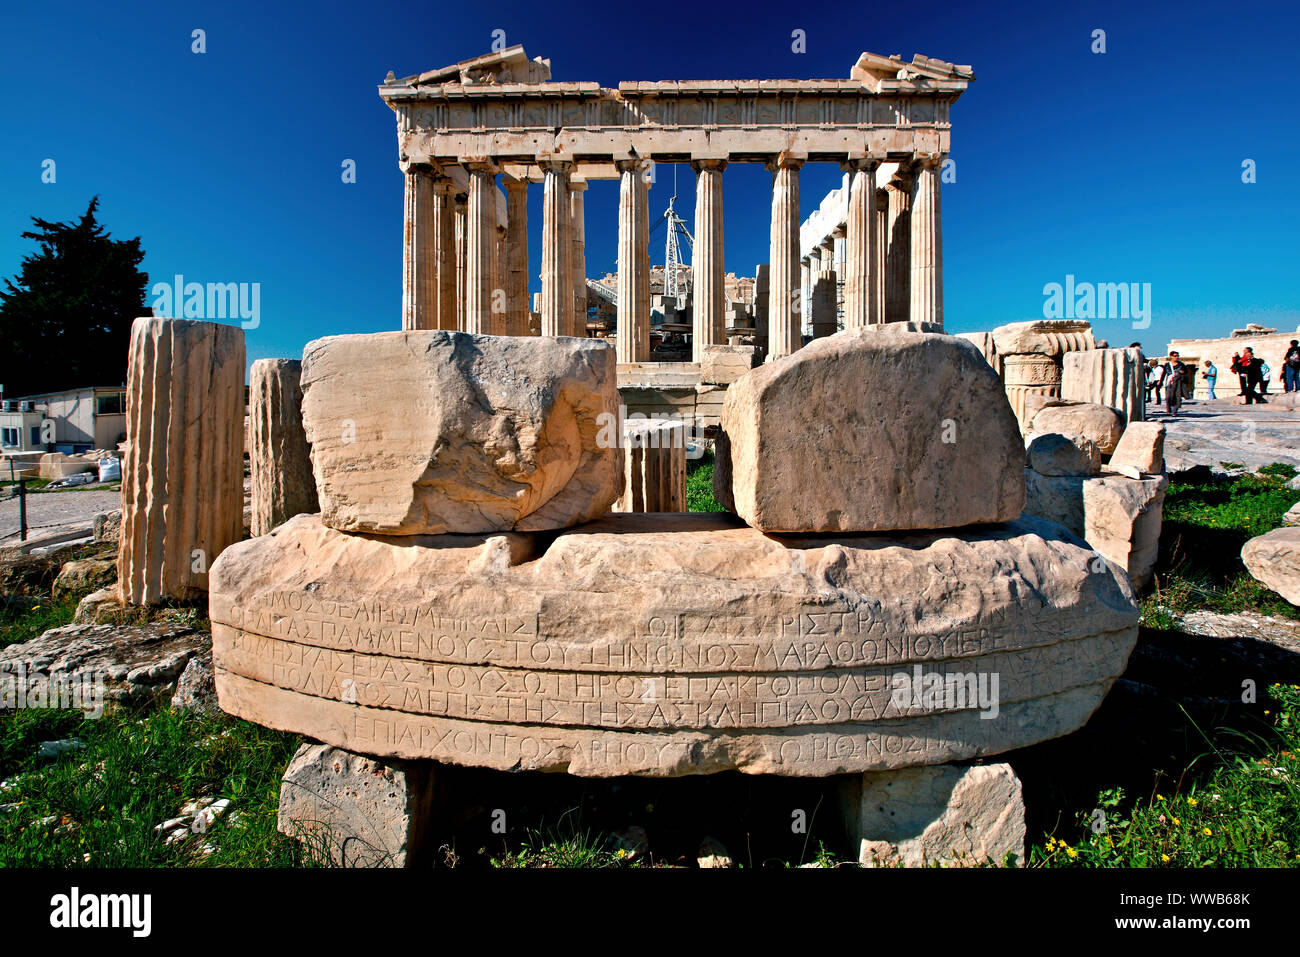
(501, 117)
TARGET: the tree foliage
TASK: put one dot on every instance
(65, 319)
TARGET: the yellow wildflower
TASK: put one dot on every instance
(1165, 858)
(1206, 831)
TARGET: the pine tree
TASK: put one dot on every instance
(65, 319)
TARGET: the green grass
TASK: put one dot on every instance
(1242, 814)
(23, 618)
(134, 773)
(699, 485)
(1205, 527)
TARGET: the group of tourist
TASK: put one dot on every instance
(1173, 377)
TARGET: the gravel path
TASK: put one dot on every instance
(73, 507)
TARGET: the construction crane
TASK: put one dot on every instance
(673, 286)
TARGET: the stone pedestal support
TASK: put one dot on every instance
(183, 475)
(578, 221)
(785, 332)
(926, 283)
(633, 342)
(420, 250)
(940, 814)
(557, 253)
(279, 457)
(860, 276)
(707, 262)
(358, 811)
(480, 238)
(516, 258)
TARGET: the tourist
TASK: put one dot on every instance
(1265, 373)
(1291, 368)
(1175, 374)
(1155, 375)
(1250, 366)
(1211, 375)
(1240, 369)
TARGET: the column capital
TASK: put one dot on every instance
(411, 168)
(577, 185)
(710, 164)
(553, 165)
(785, 160)
(866, 164)
(920, 161)
(479, 165)
(513, 185)
(634, 165)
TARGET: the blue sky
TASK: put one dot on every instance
(1119, 167)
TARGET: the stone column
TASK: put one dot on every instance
(557, 253)
(860, 277)
(480, 235)
(444, 211)
(633, 343)
(578, 220)
(419, 250)
(459, 205)
(898, 264)
(654, 478)
(808, 268)
(785, 324)
(516, 257)
(183, 474)
(879, 222)
(707, 260)
(760, 305)
(926, 242)
(279, 457)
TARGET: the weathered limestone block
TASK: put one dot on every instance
(280, 458)
(722, 365)
(984, 343)
(1118, 516)
(425, 432)
(1046, 337)
(1099, 423)
(84, 574)
(948, 815)
(196, 688)
(1292, 515)
(182, 477)
(56, 465)
(108, 526)
(123, 663)
(1111, 377)
(1055, 454)
(1142, 446)
(655, 480)
(668, 644)
(838, 437)
(1273, 559)
(358, 811)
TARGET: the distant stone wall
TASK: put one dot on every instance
(1271, 347)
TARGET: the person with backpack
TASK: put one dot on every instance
(1253, 375)
(1174, 375)
(1291, 368)
(1240, 369)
